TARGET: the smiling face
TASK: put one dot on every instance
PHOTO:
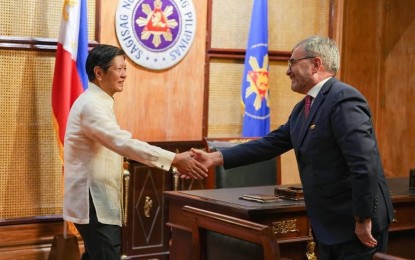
(112, 80)
(301, 71)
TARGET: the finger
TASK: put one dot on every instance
(201, 173)
(192, 154)
(372, 240)
(368, 240)
(192, 175)
(196, 152)
(370, 244)
(198, 174)
(202, 169)
(192, 171)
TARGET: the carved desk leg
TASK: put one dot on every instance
(311, 245)
(126, 177)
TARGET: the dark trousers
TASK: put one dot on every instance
(353, 250)
(102, 241)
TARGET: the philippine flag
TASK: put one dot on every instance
(69, 79)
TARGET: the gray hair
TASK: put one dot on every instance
(322, 47)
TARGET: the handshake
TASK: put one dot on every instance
(194, 164)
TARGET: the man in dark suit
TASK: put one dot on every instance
(346, 195)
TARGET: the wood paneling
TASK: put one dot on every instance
(30, 238)
(378, 59)
(360, 60)
(396, 129)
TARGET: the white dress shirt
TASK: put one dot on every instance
(313, 92)
(93, 155)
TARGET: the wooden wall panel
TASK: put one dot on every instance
(378, 59)
(162, 105)
(360, 61)
(397, 127)
(31, 238)
(289, 21)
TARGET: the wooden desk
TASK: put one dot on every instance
(287, 218)
(402, 229)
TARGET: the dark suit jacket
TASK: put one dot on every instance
(338, 160)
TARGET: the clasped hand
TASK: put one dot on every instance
(204, 160)
(188, 167)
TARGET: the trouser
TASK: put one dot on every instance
(353, 250)
(101, 241)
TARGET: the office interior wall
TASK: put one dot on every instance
(30, 167)
(378, 58)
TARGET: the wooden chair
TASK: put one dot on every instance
(216, 236)
(383, 256)
(257, 174)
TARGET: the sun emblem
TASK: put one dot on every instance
(157, 23)
(258, 81)
(67, 3)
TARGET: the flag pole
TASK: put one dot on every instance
(69, 79)
(65, 229)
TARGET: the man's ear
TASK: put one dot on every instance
(317, 64)
(98, 73)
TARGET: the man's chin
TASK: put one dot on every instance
(293, 88)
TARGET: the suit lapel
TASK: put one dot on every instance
(318, 101)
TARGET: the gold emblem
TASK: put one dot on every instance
(66, 4)
(285, 226)
(258, 81)
(157, 23)
(148, 205)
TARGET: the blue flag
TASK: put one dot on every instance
(254, 91)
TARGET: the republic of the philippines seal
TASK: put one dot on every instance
(155, 34)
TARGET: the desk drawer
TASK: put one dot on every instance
(404, 216)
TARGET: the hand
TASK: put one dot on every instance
(207, 159)
(363, 232)
(188, 167)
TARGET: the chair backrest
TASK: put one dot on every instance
(217, 236)
(383, 256)
(257, 174)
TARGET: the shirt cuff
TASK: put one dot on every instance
(165, 159)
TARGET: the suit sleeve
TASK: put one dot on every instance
(275, 143)
(354, 133)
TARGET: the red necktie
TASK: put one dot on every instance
(307, 106)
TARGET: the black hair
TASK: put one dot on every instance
(101, 56)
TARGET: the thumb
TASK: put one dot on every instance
(196, 151)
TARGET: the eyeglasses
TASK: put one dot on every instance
(293, 61)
